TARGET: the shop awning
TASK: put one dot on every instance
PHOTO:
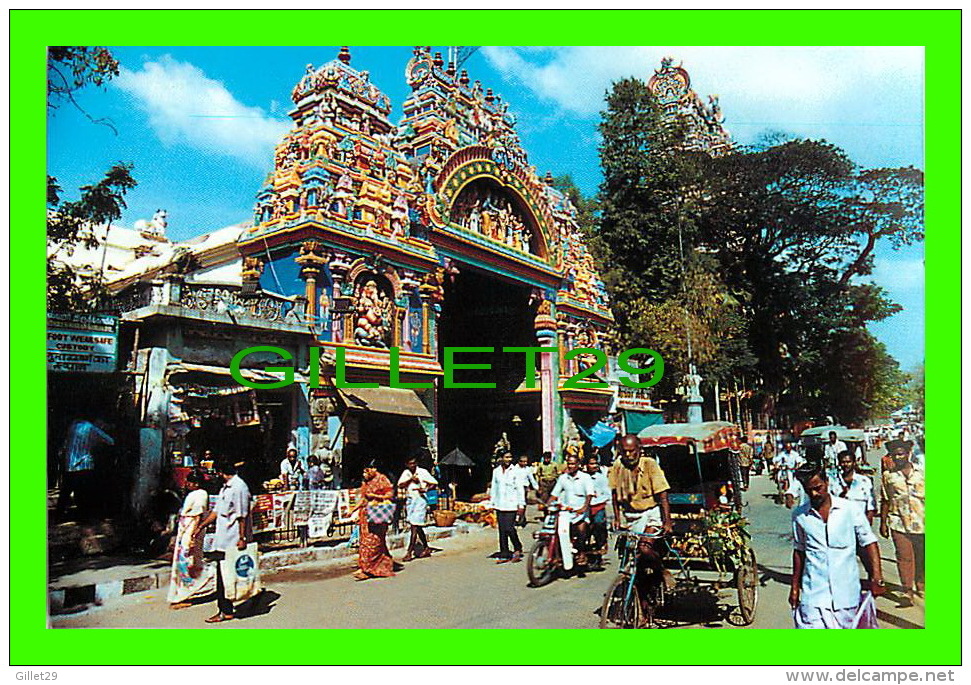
(639, 420)
(255, 375)
(399, 401)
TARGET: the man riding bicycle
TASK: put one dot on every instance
(639, 491)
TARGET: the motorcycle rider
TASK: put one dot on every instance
(598, 510)
(573, 490)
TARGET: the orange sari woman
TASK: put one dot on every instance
(374, 559)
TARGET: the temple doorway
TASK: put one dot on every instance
(482, 310)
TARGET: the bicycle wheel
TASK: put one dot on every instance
(747, 584)
(539, 564)
(622, 605)
(655, 600)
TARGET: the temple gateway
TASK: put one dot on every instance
(367, 236)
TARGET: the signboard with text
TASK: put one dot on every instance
(637, 399)
(82, 342)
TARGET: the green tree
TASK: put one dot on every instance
(586, 207)
(665, 292)
(752, 257)
(791, 224)
(73, 223)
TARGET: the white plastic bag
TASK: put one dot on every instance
(566, 544)
(241, 573)
(866, 613)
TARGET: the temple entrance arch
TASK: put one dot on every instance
(486, 207)
(481, 309)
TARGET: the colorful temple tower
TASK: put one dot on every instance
(671, 85)
(432, 234)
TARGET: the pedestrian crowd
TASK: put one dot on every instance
(834, 504)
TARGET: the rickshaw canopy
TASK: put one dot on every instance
(708, 436)
(843, 433)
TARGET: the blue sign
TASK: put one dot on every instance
(244, 564)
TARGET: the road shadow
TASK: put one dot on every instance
(692, 606)
(260, 605)
(898, 621)
(766, 574)
(696, 604)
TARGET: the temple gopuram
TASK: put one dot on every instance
(379, 249)
(432, 234)
(704, 123)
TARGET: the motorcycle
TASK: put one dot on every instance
(553, 549)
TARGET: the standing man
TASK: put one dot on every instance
(768, 456)
(527, 480)
(291, 471)
(639, 489)
(745, 460)
(856, 487)
(509, 501)
(574, 490)
(546, 474)
(902, 518)
(826, 531)
(83, 438)
(233, 528)
(831, 454)
(416, 481)
(598, 509)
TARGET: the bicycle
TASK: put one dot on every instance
(622, 607)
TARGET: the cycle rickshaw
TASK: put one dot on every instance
(700, 462)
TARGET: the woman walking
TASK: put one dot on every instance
(376, 510)
(191, 576)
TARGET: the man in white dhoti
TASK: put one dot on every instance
(826, 530)
(416, 481)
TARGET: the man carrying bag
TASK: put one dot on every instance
(237, 576)
(826, 531)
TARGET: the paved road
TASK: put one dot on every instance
(460, 587)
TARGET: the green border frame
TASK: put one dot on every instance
(939, 31)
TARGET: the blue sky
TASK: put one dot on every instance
(199, 124)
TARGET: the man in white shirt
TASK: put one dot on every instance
(831, 453)
(795, 496)
(234, 528)
(786, 462)
(415, 482)
(291, 471)
(509, 500)
(825, 590)
(598, 509)
(574, 490)
(526, 476)
(855, 487)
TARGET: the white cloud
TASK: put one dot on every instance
(186, 106)
(868, 100)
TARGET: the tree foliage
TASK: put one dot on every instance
(752, 256)
(72, 223)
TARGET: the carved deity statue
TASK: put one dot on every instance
(373, 311)
(399, 216)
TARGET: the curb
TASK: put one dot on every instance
(71, 597)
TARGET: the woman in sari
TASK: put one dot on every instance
(191, 576)
(374, 559)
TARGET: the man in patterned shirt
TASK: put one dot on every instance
(902, 518)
